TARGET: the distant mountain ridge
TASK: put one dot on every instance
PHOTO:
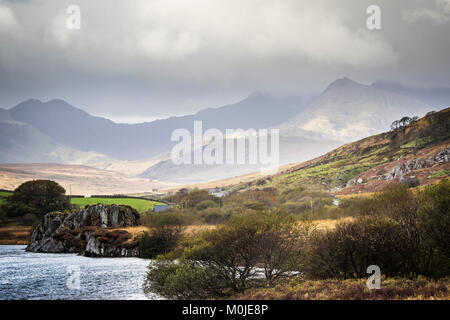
(55, 131)
(77, 129)
(418, 152)
(21, 142)
(348, 111)
(436, 97)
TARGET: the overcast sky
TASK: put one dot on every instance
(144, 59)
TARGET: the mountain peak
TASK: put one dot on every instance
(343, 82)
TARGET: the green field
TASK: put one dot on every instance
(4, 194)
(138, 204)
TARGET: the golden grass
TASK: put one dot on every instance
(15, 234)
(331, 223)
(355, 289)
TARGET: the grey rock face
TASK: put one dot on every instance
(75, 232)
(402, 169)
(443, 156)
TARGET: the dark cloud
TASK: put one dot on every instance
(156, 58)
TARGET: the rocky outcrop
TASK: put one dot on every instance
(403, 169)
(91, 231)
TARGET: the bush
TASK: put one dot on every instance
(166, 230)
(412, 182)
(36, 197)
(214, 216)
(251, 199)
(185, 280)
(205, 204)
(3, 217)
(434, 223)
(224, 261)
(351, 247)
(295, 207)
(196, 196)
(30, 219)
(405, 234)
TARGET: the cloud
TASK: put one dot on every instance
(175, 30)
(160, 57)
(8, 20)
(439, 13)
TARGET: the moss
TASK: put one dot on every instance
(440, 173)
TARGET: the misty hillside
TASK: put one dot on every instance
(55, 131)
(435, 97)
(292, 149)
(348, 111)
(77, 129)
(418, 153)
(21, 142)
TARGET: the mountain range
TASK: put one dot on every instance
(57, 132)
(348, 111)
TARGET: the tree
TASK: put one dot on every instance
(166, 230)
(196, 196)
(249, 250)
(36, 197)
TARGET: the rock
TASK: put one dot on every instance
(443, 156)
(359, 181)
(350, 183)
(84, 231)
(396, 173)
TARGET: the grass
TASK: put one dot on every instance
(418, 143)
(15, 234)
(140, 205)
(440, 173)
(5, 193)
(356, 289)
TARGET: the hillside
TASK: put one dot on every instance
(166, 170)
(347, 111)
(420, 150)
(77, 129)
(82, 180)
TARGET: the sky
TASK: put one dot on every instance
(134, 61)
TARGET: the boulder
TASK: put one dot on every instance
(89, 231)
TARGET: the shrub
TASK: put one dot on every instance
(412, 182)
(250, 199)
(295, 207)
(166, 230)
(205, 204)
(434, 222)
(351, 247)
(3, 217)
(30, 219)
(226, 259)
(196, 196)
(185, 280)
(214, 216)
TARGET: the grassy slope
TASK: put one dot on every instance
(138, 204)
(335, 168)
(5, 193)
(402, 289)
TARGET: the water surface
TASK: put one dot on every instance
(26, 275)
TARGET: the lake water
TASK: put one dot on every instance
(25, 275)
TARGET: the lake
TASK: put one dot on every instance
(26, 275)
